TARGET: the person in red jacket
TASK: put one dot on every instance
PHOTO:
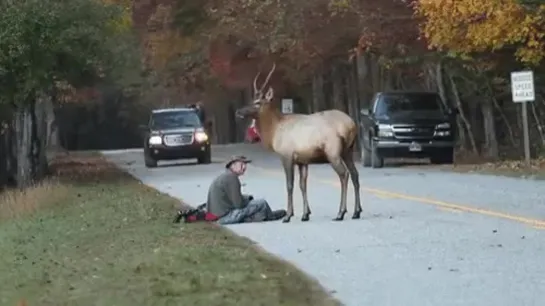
(252, 135)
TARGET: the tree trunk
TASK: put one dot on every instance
(375, 73)
(4, 154)
(364, 80)
(539, 125)
(489, 125)
(462, 120)
(25, 140)
(440, 84)
(338, 93)
(232, 123)
(318, 94)
(42, 115)
(29, 142)
(502, 114)
(353, 98)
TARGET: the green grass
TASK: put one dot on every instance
(93, 235)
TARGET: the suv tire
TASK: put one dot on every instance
(366, 157)
(149, 161)
(366, 154)
(206, 157)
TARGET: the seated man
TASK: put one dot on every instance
(226, 201)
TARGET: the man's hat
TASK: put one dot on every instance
(240, 158)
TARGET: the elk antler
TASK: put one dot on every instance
(259, 91)
(255, 81)
(268, 77)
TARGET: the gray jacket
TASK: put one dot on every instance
(224, 194)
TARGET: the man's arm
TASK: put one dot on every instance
(233, 192)
(247, 198)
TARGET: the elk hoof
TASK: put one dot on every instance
(340, 216)
(286, 220)
(305, 217)
(356, 215)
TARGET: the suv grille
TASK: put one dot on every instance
(179, 139)
(413, 131)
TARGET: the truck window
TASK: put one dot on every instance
(396, 103)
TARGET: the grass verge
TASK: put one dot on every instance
(93, 235)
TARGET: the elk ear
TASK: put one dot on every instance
(270, 94)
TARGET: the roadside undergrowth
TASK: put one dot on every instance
(93, 235)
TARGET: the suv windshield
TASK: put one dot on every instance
(396, 103)
(174, 120)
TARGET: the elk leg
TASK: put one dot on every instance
(342, 171)
(355, 177)
(288, 171)
(303, 175)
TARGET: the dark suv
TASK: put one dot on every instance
(175, 133)
(407, 124)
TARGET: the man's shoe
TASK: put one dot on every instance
(278, 214)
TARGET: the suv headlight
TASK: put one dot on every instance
(155, 140)
(385, 130)
(200, 136)
(444, 125)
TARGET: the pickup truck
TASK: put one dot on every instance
(402, 124)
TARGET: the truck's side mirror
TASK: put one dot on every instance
(364, 111)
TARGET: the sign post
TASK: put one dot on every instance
(522, 90)
(287, 106)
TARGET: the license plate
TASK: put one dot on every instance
(175, 141)
(415, 147)
(178, 140)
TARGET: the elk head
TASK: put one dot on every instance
(259, 99)
(253, 109)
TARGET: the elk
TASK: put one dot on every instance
(324, 137)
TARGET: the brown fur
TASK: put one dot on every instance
(324, 137)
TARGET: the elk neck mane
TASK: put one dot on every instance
(267, 122)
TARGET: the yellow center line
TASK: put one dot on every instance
(535, 223)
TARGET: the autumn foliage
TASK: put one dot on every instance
(471, 26)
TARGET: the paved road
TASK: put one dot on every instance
(426, 237)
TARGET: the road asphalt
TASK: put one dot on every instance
(426, 237)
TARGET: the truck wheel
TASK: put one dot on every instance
(205, 158)
(443, 157)
(149, 161)
(366, 157)
(376, 160)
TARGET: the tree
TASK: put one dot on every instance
(44, 42)
(466, 27)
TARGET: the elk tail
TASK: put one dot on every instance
(349, 141)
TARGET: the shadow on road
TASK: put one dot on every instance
(406, 163)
